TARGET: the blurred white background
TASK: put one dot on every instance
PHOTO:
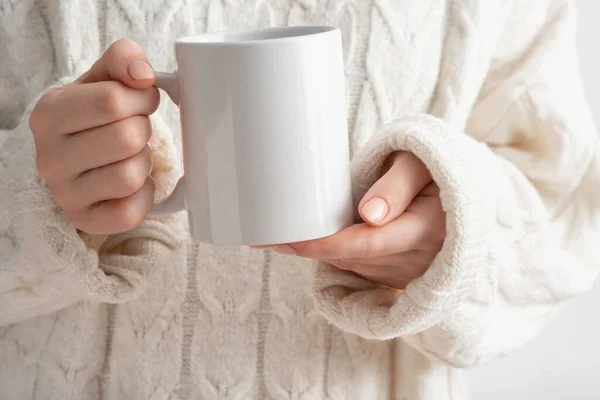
(564, 362)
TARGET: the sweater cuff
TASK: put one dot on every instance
(461, 167)
(44, 254)
(48, 266)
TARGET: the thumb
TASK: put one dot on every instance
(395, 190)
(123, 61)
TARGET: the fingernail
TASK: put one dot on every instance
(140, 70)
(375, 209)
(284, 249)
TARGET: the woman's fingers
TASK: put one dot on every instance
(117, 215)
(104, 145)
(91, 105)
(408, 257)
(115, 181)
(421, 227)
(364, 241)
(395, 190)
(123, 61)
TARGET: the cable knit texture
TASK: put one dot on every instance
(486, 93)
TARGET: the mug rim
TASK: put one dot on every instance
(256, 36)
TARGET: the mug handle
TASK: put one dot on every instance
(175, 202)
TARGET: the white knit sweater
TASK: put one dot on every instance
(486, 93)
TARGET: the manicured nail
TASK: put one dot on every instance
(375, 209)
(284, 249)
(140, 70)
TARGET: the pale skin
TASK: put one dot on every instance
(91, 139)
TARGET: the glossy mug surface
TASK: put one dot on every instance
(265, 139)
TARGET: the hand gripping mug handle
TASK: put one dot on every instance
(175, 202)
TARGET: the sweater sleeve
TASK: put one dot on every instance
(45, 265)
(520, 192)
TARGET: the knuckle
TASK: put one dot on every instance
(131, 215)
(119, 47)
(124, 43)
(133, 134)
(121, 52)
(130, 175)
(112, 101)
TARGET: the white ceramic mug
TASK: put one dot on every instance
(264, 132)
